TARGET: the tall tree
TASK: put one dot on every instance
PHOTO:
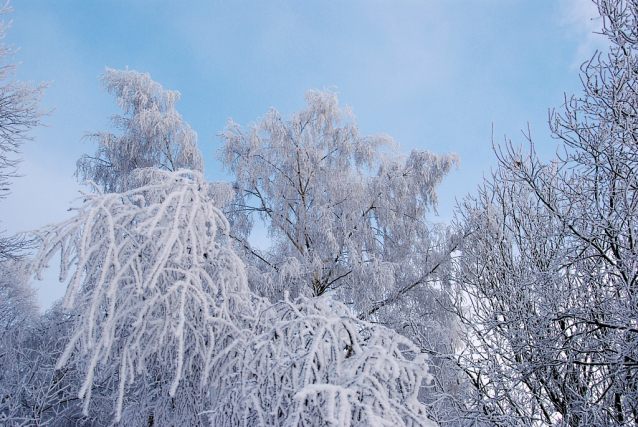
(550, 267)
(345, 212)
(153, 134)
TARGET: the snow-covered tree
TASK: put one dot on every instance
(153, 134)
(18, 301)
(549, 272)
(24, 393)
(345, 212)
(32, 390)
(18, 309)
(155, 290)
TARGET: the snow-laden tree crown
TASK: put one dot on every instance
(153, 134)
(346, 212)
(346, 215)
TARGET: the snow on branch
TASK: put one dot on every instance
(312, 363)
(345, 212)
(153, 280)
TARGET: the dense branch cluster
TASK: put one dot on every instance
(550, 267)
(164, 327)
(313, 363)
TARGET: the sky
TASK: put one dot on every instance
(438, 75)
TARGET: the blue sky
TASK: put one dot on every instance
(433, 74)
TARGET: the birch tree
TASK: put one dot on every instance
(153, 134)
(345, 212)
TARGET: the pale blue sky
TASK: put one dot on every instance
(433, 74)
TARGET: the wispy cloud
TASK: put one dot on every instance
(584, 23)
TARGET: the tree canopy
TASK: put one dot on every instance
(153, 134)
(345, 212)
(362, 311)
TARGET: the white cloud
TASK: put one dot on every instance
(584, 23)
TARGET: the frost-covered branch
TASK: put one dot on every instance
(311, 363)
(153, 282)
